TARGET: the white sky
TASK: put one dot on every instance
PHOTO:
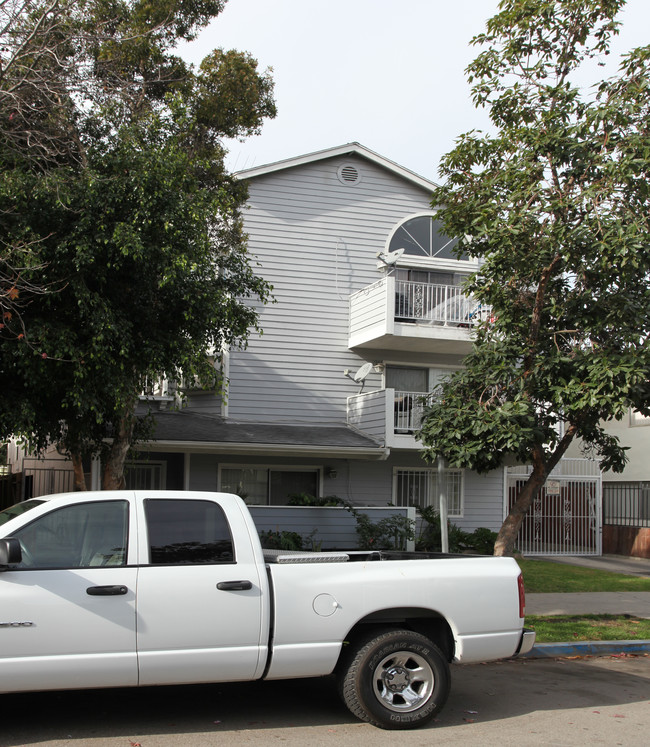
(388, 74)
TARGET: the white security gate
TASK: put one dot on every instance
(565, 517)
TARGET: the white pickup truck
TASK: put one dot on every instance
(113, 589)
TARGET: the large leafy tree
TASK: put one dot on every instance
(122, 256)
(555, 205)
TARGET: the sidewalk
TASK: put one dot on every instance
(635, 603)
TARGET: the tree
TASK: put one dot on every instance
(131, 221)
(555, 206)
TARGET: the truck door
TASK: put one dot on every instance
(67, 611)
(199, 606)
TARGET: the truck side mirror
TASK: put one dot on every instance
(10, 552)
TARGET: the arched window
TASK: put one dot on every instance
(422, 236)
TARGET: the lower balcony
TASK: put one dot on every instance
(405, 315)
(389, 416)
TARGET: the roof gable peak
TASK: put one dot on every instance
(340, 150)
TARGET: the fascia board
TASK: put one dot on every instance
(378, 454)
(341, 150)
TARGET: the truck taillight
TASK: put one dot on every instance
(522, 596)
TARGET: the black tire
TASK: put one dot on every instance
(397, 679)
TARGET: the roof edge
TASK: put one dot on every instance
(380, 453)
(340, 150)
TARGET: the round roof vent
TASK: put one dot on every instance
(348, 174)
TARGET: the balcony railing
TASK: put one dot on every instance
(435, 304)
(408, 410)
(396, 314)
(389, 416)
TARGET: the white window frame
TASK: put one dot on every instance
(424, 262)
(453, 512)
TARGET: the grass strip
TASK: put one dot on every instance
(573, 628)
(542, 576)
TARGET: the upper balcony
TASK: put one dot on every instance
(413, 316)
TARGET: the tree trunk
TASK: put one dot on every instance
(542, 468)
(79, 476)
(505, 542)
(113, 476)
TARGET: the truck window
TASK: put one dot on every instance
(183, 532)
(76, 536)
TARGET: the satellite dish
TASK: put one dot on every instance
(360, 376)
(388, 259)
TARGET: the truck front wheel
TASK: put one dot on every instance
(397, 679)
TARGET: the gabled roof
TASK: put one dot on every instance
(341, 150)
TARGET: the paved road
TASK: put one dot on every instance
(598, 701)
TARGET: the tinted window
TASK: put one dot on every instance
(77, 536)
(423, 236)
(187, 532)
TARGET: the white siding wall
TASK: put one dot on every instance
(316, 241)
(483, 501)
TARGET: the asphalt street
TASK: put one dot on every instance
(560, 702)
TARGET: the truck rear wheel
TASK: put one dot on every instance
(397, 679)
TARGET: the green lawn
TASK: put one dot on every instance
(542, 576)
(574, 628)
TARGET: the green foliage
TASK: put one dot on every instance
(480, 541)
(305, 499)
(281, 540)
(573, 628)
(555, 205)
(121, 231)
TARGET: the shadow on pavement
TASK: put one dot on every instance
(480, 693)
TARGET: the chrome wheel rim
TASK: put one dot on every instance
(403, 681)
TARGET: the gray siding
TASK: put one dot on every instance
(316, 241)
(328, 528)
(483, 501)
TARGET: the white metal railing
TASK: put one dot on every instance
(408, 409)
(566, 467)
(436, 304)
(158, 388)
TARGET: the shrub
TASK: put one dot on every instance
(280, 540)
(479, 541)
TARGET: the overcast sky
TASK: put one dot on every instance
(388, 74)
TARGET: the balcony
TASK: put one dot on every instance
(389, 416)
(416, 317)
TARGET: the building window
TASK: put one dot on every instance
(422, 236)
(145, 475)
(419, 487)
(263, 486)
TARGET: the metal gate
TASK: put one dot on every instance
(565, 517)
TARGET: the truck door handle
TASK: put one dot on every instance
(234, 585)
(106, 591)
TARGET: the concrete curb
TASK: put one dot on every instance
(587, 648)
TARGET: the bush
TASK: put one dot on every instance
(305, 499)
(480, 541)
(280, 540)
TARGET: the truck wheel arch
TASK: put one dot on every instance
(420, 620)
